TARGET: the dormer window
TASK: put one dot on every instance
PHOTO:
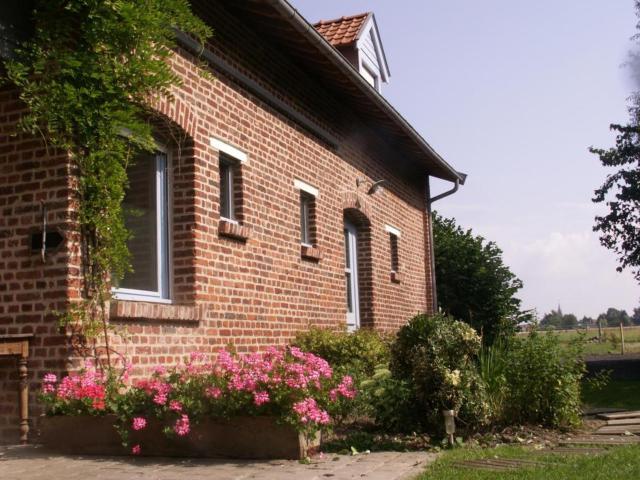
(358, 39)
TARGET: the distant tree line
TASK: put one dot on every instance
(557, 319)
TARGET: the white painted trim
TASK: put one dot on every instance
(230, 150)
(392, 230)
(372, 25)
(163, 242)
(305, 187)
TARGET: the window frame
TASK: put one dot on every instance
(305, 220)
(163, 227)
(394, 247)
(227, 196)
(308, 197)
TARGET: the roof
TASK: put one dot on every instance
(278, 22)
(344, 30)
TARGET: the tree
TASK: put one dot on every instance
(619, 229)
(557, 319)
(614, 317)
(636, 316)
(473, 283)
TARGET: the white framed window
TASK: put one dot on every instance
(146, 207)
(394, 236)
(306, 206)
(308, 196)
(227, 189)
(369, 76)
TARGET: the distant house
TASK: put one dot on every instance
(296, 195)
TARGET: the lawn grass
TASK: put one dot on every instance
(616, 463)
(611, 339)
(623, 394)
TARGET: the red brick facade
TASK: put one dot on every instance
(251, 284)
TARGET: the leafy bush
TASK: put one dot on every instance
(436, 356)
(543, 380)
(493, 365)
(356, 354)
(388, 400)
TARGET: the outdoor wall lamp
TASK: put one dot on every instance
(449, 424)
(375, 186)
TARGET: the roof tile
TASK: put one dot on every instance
(342, 31)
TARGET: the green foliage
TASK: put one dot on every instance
(436, 357)
(614, 317)
(543, 380)
(473, 283)
(87, 76)
(618, 228)
(389, 401)
(557, 319)
(356, 354)
(493, 366)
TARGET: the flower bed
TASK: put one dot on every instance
(283, 390)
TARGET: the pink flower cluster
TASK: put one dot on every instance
(344, 389)
(182, 427)
(86, 385)
(139, 423)
(156, 387)
(309, 411)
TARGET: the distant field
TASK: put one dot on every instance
(611, 339)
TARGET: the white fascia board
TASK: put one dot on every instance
(305, 187)
(228, 149)
(392, 230)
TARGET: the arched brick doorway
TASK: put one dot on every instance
(358, 264)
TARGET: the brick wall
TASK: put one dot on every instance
(249, 292)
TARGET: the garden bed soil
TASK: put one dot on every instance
(238, 438)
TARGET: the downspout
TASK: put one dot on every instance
(432, 259)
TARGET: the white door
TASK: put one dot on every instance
(351, 275)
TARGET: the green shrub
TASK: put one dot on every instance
(436, 356)
(356, 354)
(388, 400)
(544, 380)
(493, 365)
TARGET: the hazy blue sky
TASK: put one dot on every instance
(513, 93)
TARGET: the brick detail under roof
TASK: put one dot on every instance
(342, 31)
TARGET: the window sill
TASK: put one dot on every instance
(232, 229)
(134, 310)
(309, 252)
(396, 277)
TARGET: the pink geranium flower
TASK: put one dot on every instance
(139, 423)
(136, 449)
(182, 427)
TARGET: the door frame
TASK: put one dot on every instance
(351, 273)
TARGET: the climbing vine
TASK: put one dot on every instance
(88, 76)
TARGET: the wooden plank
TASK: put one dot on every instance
(618, 430)
(624, 421)
(572, 451)
(619, 415)
(601, 440)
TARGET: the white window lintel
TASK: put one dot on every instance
(305, 187)
(392, 230)
(230, 150)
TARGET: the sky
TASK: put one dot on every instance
(513, 93)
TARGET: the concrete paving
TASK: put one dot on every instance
(32, 463)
